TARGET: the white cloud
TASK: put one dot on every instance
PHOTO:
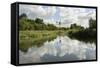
(34, 11)
(76, 15)
(67, 15)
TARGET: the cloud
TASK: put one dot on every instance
(34, 11)
(76, 15)
(53, 14)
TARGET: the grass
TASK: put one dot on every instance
(28, 39)
(35, 38)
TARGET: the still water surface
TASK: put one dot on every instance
(62, 48)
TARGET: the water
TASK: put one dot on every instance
(62, 48)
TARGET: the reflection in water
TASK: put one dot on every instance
(60, 49)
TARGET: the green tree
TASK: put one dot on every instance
(23, 16)
(51, 27)
(92, 24)
(73, 26)
(39, 21)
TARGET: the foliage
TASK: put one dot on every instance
(37, 24)
(23, 16)
(25, 24)
(39, 21)
(36, 31)
(83, 33)
(75, 26)
(92, 24)
(28, 39)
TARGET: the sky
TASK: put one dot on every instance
(55, 14)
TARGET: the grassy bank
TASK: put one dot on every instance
(28, 39)
(35, 38)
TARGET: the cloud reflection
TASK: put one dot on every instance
(60, 49)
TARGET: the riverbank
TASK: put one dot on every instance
(86, 35)
(37, 38)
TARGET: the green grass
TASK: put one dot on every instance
(28, 39)
(35, 38)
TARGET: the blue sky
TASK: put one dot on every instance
(53, 14)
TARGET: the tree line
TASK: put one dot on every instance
(38, 24)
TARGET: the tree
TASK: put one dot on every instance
(73, 26)
(39, 21)
(51, 27)
(37, 24)
(92, 24)
(63, 28)
(23, 16)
